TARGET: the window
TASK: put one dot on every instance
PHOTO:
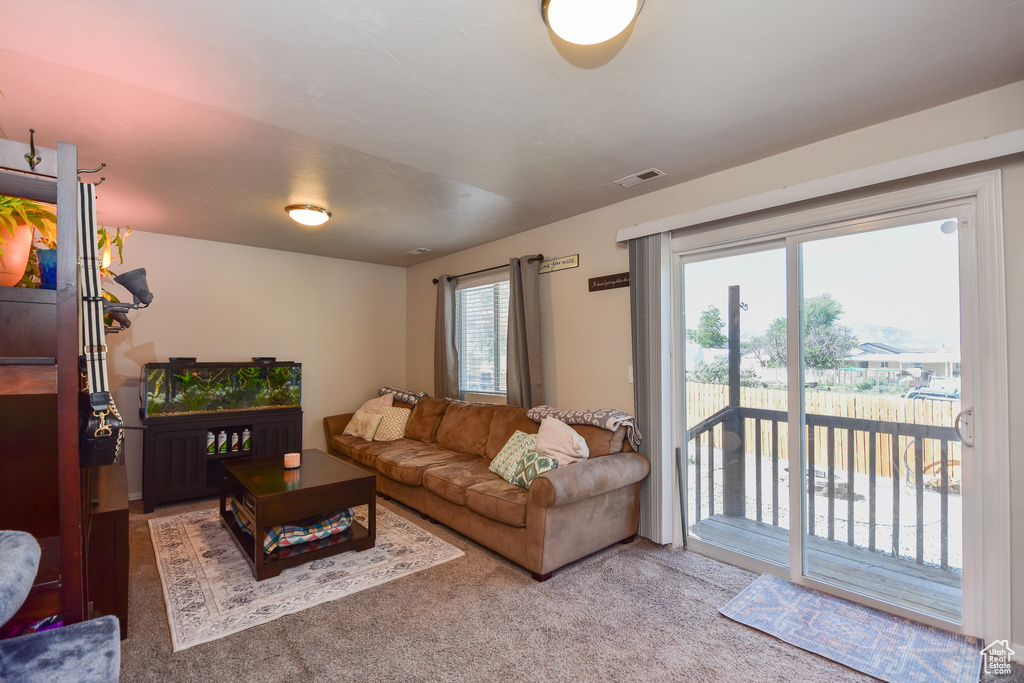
(481, 321)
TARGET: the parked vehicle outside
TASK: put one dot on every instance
(934, 394)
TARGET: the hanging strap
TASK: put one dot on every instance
(93, 338)
(102, 437)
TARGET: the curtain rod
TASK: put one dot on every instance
(538, 257)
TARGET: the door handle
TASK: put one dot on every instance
(967, 440)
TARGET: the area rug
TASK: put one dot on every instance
(870, 641)
(210, 592)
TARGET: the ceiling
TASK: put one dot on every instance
(450, 123)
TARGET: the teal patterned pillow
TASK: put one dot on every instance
(517, 446)
(531, 467)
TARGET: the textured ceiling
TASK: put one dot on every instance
(450, 123)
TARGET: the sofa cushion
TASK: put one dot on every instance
(505, 462)
(363, 425)
(532, 466)
(507, 421)
(406, 465)
(392, 424)
(500, 501)
(451, 481)
(465, 426)
(363, 452)
(425, 419)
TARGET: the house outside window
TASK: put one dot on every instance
(481, 319)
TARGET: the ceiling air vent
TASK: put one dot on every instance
(637, 178)
(417, 251)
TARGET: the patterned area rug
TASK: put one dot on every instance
(210, 591)
(876, 643)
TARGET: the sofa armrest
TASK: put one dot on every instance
(335, 425)
(591, 477)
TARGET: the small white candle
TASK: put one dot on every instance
(292, 460)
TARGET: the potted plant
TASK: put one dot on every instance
(19, 220)
(28, 242)
(42, 269)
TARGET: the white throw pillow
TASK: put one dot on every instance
(375, 406)
(363, 425)
(558, 440)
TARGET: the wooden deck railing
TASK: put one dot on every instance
(706, 399)
(892, 450)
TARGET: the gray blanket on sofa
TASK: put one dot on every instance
(608, 418)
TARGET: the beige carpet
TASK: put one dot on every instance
(635, 612)
(210, 592)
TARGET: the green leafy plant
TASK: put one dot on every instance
(280, 390)
(246, 387)
(193, 395)
(107, 243)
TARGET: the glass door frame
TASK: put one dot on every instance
(986, 586)
(972, 547)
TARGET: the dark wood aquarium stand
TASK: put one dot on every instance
(176, 466)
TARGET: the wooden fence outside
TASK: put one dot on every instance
(704, 400)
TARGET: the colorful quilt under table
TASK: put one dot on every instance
(301, 531)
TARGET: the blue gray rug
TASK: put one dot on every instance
(870, 641)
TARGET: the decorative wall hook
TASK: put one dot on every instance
(93, 170)
(98, 182)
(32, 158)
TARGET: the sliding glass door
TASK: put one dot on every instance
(880, 360)
(823, 390)
(735, 397)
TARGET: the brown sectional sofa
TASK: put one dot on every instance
(441, 469)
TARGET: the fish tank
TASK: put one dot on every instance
(189, 388)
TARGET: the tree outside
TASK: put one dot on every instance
(826, 342)
(709, 329)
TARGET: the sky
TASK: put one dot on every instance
(906, 277)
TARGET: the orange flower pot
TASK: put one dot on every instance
(15, 258)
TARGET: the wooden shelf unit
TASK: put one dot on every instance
(40, 478)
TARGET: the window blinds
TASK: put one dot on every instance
(481, 318)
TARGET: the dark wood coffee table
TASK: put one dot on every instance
(268, 494)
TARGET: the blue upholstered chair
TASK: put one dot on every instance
(88, 651)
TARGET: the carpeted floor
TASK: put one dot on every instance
(632, 613)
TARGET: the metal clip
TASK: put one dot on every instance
(104, 428)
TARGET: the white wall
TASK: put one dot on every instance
(585, 343)
(343, 320)
(586, 336)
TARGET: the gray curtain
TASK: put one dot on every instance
(525, 387)
(649, 276)
(446, 356)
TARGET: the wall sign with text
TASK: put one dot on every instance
(560, 263)
(598, 284)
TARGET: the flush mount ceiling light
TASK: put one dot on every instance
(307, 214)
(589, 22)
